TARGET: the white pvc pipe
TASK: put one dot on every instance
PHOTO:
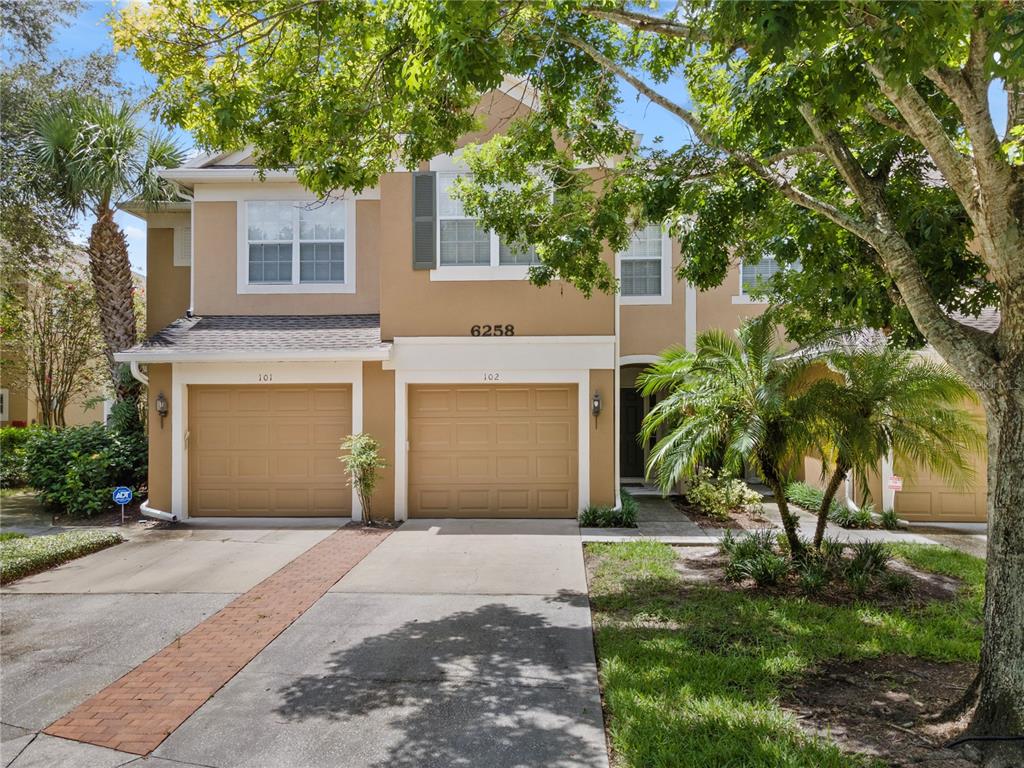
(159, 514)
(848, 491)
(137, 374)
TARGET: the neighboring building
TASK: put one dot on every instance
(279, 325)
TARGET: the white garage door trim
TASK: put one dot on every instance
(404, 378)
(270, 373)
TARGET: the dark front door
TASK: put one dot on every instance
(631, 454)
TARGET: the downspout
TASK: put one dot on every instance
(137, 373)
(144, 508)
(848, 492)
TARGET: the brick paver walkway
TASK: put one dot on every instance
(140, 710)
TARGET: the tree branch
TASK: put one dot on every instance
(642, 22)
(810, 149)
(926, 129)
(948, 336)
(881, 117)
(776, 178)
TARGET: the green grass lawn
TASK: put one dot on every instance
(692, 675)
(21, 556)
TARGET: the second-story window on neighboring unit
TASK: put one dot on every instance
(462, 242)
(298, 243)
(757, 273)
(640, 265)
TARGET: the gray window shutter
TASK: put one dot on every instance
(424, 220)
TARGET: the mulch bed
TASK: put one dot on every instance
(882, 707)
(737, 521)
(705, 565)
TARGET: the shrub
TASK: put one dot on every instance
(362, 462)
(719, 496)
(629, 508)
(849, 518)
(813, 575)
(607, 517)
(810, 498)
(765, 569)
(831, 552)
(748, 545)
(889, 520)
(24, 556)
(12, 455)
(870, 557)
(75, 468)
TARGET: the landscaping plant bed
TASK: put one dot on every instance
(21, 557)
(737, 520)
(700, 671)
(902, 584)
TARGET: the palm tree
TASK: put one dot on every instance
(882, 400)
(100, 155)
(729, 403)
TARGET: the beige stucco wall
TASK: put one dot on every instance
(495, 110)
(215, 248)
(160, 438)
(716, 310)
(379, 423)
(648, 329)
(167, 286)
(413, 305)
(603, 482)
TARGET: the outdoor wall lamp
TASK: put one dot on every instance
(161, 408)
(595, 404)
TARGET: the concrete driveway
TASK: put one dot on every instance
(452, 643)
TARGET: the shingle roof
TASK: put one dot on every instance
(987, 320)
(214, 337)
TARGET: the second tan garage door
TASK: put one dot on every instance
(268, 451)
(493, 451)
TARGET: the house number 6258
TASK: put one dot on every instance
(264, 378)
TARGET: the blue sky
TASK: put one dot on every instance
(90, 31)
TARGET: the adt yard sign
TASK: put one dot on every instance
(122, 496)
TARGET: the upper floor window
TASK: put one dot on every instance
(757, 274)
(643, 267)
(462, 242)
(4, 405)
(301, 244)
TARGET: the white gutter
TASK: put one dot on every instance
(158, 514)
(137, 374)
(246, 356)
(200, 175)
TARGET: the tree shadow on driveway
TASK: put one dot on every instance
(496, 685)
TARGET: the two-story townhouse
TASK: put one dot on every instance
(279, 324)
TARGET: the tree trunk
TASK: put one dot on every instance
(830, 493)
(112, 281)
(1000, 710)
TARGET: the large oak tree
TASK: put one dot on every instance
(856, 137)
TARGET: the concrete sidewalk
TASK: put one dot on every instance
(659, 519)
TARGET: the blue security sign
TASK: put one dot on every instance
(122, 495)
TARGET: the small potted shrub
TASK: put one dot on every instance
(362, 462)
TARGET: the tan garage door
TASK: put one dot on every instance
(493, 451)
(926, 496)
(268, 451)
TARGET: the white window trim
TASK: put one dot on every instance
(243, 286)
(442, 273)
(5, 404)
(665, 297)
